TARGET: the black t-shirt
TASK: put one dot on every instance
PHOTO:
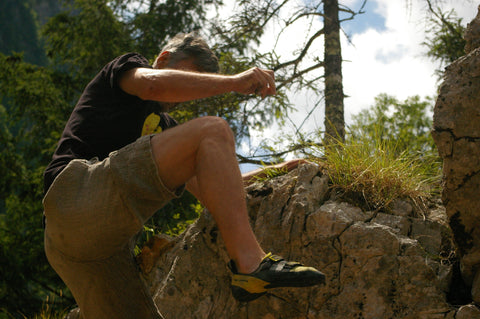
(106, 118)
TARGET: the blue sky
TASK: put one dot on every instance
(370, 19)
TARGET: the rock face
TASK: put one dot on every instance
(472, 34)
(378, 264)
(457, 135)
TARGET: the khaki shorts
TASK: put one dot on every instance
(93, 211)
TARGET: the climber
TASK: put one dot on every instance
(121, 157)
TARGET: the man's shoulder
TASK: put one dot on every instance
(131, 57)
(112, 71)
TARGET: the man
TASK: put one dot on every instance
(103, 183)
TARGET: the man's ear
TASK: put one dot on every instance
(162, 60)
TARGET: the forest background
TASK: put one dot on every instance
(51, 49)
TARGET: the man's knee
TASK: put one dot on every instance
(217, 128)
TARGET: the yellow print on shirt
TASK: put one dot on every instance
(151, 125)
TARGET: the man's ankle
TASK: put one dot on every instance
(250, 264)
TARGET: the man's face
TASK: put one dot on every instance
(165, 61)
(184, 65)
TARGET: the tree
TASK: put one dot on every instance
(35, 103)
(78, 50)
(18, 31)
(152, 22)
(301, 72)
(29, 124)
(405, 124)
(401, 129)
(444, 39)
(334, 118)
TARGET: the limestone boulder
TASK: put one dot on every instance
(457, 134)
(472, 34)
(378, 264)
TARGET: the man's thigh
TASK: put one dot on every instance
(175, 150)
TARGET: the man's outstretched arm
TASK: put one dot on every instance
(170, 85)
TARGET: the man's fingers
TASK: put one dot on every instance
(271, 81)
(266, 82)
(257, 81)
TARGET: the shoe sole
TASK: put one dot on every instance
(248, 288)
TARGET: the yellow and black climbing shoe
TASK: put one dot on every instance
(273, 272)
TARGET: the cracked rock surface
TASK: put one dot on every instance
(378, 264)
(457, 135)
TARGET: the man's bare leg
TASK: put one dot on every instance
(204, 149)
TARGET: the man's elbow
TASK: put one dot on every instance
(141, 85)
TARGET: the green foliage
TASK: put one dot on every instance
(49, 312)
(270, 172)
(10, 161)
(36, 107)
(84, 38)
(444, 39)
(151, 28)
(18, 31)
(247, 26)
(388, 154)
(175, 216)
(406, 124)
(33, 113)
(35, 103)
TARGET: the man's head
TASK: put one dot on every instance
(187, 47)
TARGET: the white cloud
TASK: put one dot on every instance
(392, 60)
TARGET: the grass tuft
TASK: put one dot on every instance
(49, 311)
(378, 173)
(269, 173)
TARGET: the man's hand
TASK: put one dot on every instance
(256, 81)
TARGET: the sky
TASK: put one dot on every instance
(382, 52)
(386, 54)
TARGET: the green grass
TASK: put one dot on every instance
(48, 311)
(269, 173)
(377, 173)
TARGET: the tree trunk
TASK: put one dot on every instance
(334, 119)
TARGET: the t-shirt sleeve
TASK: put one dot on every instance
(124, 63)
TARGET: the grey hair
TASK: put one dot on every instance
(191, 45)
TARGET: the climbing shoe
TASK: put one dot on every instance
(273, 272)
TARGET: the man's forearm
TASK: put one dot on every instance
(179, 86)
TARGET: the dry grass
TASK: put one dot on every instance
(378, 173)
(49, 312)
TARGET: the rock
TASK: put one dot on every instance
(455, 109)
(378, 265)
(476, 288)
(457, 135)
(152, 250)
(472, 34)
(468, 312)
